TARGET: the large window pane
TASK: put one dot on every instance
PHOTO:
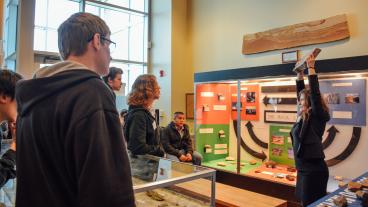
(39, 39)
(127, 30)
(136, 38)
(138, 5)
(49, 15)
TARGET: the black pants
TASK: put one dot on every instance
(311, 186)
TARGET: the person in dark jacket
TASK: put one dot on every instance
(178, 143)
(141, 130)
(307, 138)
(70, 143)
(8, 115)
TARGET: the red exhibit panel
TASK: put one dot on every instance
(212, 103)
(249, 102)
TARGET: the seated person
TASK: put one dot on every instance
(8, 113)
(177, 142)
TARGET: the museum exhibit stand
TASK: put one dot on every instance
(158, 182)
(243, 119)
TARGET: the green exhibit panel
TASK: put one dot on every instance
(212, 141)
(280, 146)
(231, 165)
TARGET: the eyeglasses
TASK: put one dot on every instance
(112, 44)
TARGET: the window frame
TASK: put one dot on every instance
(147, 21)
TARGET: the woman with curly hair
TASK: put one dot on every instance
(140, 129)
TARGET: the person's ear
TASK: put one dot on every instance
(4, 99)
(109, 80)
(96, 41)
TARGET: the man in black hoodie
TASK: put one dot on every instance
(70, 144)
(178, 143)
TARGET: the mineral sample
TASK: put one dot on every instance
(354, 186)
(291, 169)
(339, 178)
(342, 184)
(222, 164)
(270, 164)
(340, 201)
(229, 158)
(252, 162)
(290, 177)
(155, 196)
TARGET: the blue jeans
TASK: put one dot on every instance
(196, 157)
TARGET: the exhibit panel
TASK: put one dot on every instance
(267, 108)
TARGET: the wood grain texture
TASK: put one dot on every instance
(230, 196)
(308, 33)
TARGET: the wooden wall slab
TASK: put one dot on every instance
(308, 33)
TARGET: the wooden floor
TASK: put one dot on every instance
(230, 196)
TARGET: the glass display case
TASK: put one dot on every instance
(350, 193)
(159, 182)
(243, 119)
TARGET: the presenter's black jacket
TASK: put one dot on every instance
(307, 134)
(173, 143)
(142, 132)
(70, 147)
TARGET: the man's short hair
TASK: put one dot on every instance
(113, 71)
(79, 29)
(8, 79)
(178, 113)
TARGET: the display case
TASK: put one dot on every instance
(243, 119)
(351, 194)
(159, 182)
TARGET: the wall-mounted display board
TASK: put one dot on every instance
(212, 104)
(346, 100)
(249, 102)
(212, 141)
(280, 147)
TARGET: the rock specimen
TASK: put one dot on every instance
(339, 178)
(252, 162)
(270, 164)
(342, 184)
(354, 186)
(229, 158)
(365, 183)
(155, 196)
(290, 177)
(340, 201)
(222, 164)
(291, 169)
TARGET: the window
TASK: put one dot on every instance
(48, 17)
(127, 20)
(8, 46)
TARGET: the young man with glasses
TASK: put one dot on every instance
(70, 144)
